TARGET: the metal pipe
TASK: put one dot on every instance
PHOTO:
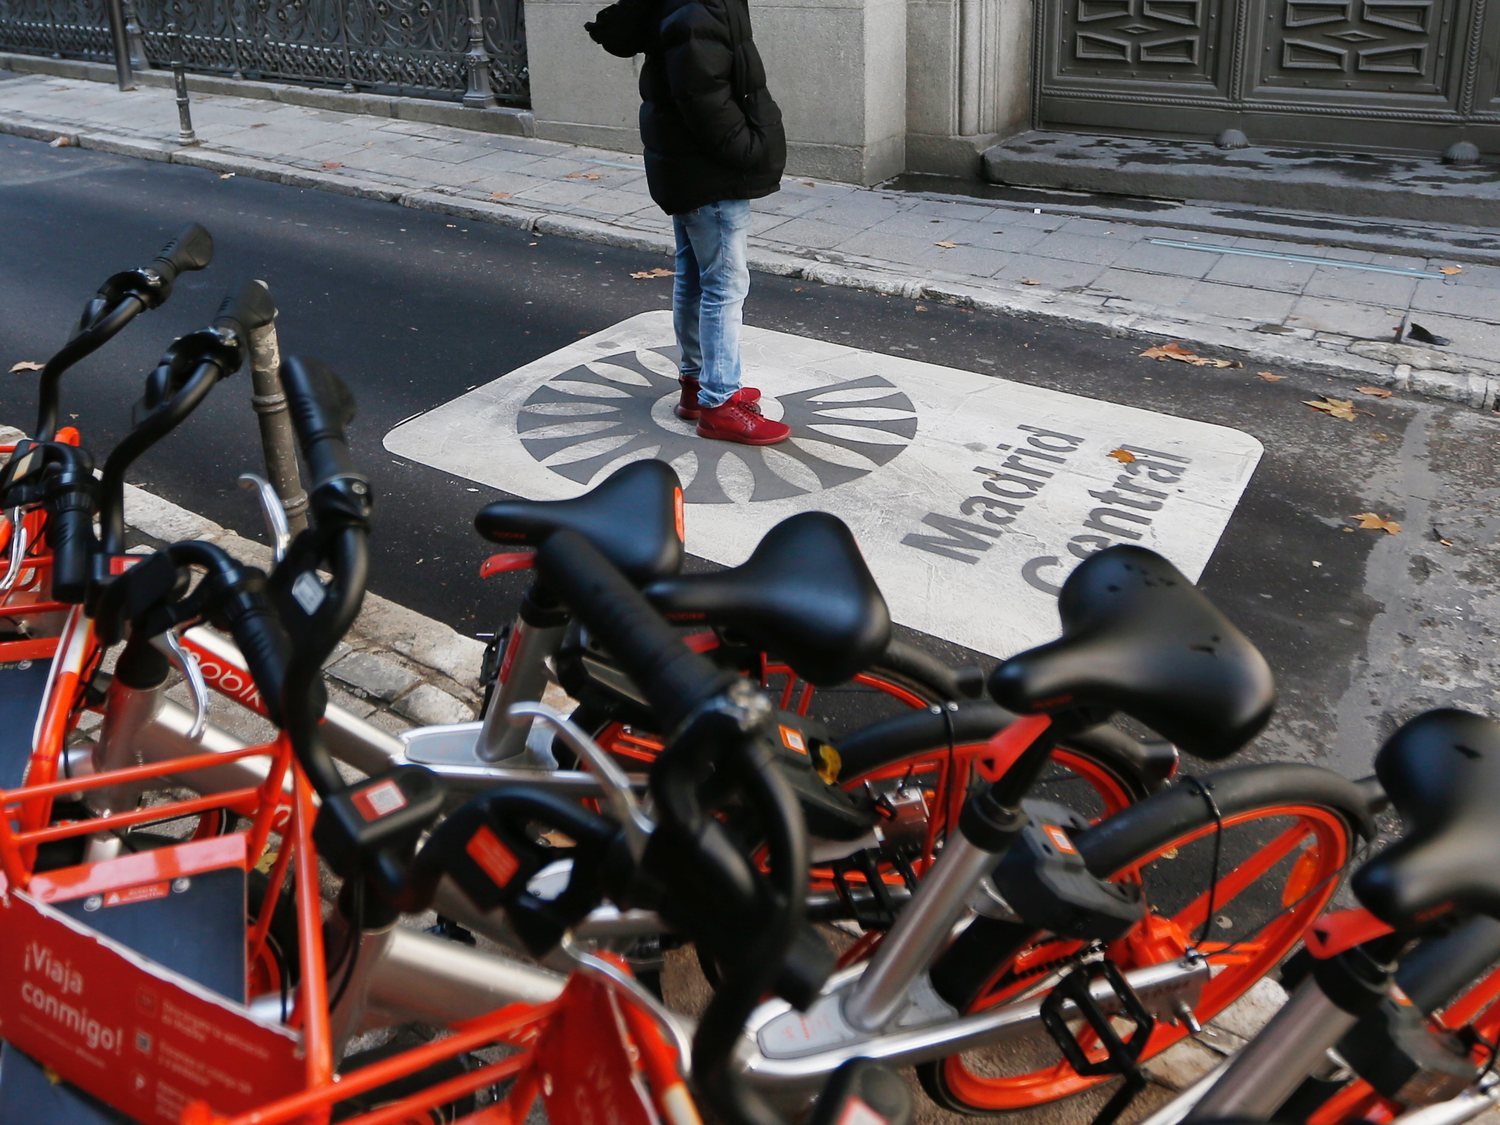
(1268, 1069)
(920, 931)
(1157, 985)
(276, 438)
(120, 44)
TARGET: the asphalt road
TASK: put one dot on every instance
(1362, 627)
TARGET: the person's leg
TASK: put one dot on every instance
(728, 412)
(720, 236)
(687, 294)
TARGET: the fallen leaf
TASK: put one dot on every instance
(798, 289)
(499, 195)
(1449, 271)
(808, 183)
(60, 142)
(226, 175)
(1124, 456)
(1377, 392)
(259, 125)
(1270, 378)
(657, 272)
(1030, 281)
(1369, 521)
(1333, 407)
(25, 365)
(1176, 351)
(921, 308)
(946, 244)
(582, 176)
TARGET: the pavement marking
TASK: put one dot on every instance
(971, 497)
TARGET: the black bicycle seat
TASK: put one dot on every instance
(633, 516)
(1442, 773)
(1141, 639)
(804, 595)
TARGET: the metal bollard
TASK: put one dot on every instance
(276, 437)
(185, 134)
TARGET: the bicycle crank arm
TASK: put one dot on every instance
(795, 1051)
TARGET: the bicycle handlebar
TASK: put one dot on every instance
(186, 373)
(119, 301)
(675, 680)
(719, 722)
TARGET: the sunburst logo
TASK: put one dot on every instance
(594, 417)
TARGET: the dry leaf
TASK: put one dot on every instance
(1449, 271)
(1030, 281)
(808, 183)
(657, 272)
(946, 244)
(1124, 456)
(60, 142)
(582, 176)
(1176, 351)
(921, 308)
(1378, 392)
(798, 289)
(1333, 407)
(330, 165)
(1369, 521)
(499, 195)
(25, 365)
(226, 175)
(1270, 378)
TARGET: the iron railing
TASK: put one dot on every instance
(420, 48)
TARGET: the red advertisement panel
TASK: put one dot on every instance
(134, 1035)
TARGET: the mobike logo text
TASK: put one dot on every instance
(51, 996)
(226, 678)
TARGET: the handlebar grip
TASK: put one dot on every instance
(192, 249)
(70, 532)
(246, 309)
(257, 631)
(321, 406)
(675, 680)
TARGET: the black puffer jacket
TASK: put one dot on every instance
(709, 125)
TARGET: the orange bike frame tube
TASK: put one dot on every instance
(499, 1027)
(75, 651)
(312, 1001)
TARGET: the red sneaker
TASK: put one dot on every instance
(687, 407)
(741, 422)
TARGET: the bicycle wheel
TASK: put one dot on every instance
(1239, 887)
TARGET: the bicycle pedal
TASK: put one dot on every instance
(1122, 1055)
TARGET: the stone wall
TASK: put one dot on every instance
(868, 88)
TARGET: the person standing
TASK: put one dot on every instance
(713, 142)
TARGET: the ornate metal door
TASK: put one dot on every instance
(1402, 75)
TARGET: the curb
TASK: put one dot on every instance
(1398, 366)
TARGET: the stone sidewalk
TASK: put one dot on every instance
(1322, 292)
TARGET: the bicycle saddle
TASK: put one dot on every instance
(804, 595)
(1442, 773)
(1141, 639)
(633, 516)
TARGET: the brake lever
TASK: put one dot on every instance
(273, 511)
(187, 664)
(17, 553)
(619, 795)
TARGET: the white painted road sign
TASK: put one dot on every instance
(972, 497)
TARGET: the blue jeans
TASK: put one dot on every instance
(708, 295)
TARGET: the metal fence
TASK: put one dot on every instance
(422, 48)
